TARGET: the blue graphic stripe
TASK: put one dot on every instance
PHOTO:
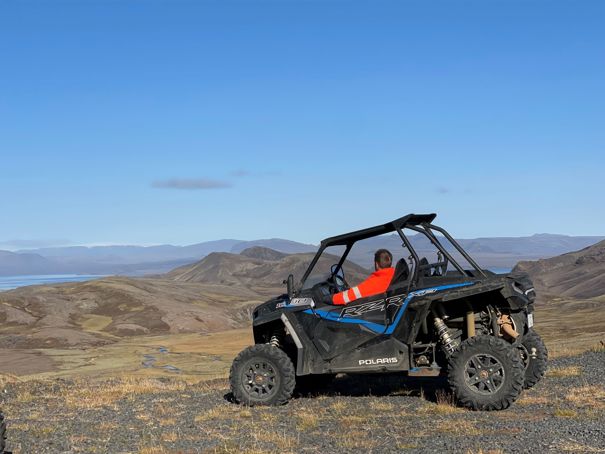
(377, 327)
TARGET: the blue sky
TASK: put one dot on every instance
(146, 122)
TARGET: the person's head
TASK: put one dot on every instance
(383, 259)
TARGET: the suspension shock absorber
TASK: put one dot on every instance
(448, 342)
(275, 339)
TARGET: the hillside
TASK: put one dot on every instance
(251, 271)
(105, 310)
(579, 274)
(214, 294)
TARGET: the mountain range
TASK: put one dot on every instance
(498, 252)
(578, 274)
(218, 293)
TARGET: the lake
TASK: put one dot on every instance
(11, 282)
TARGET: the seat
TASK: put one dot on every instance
(424, 268)
(402, 272)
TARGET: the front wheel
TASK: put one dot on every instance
(486, 373)
(262, 375)
(535, 356)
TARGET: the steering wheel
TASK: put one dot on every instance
(337, 284)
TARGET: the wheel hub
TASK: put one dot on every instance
(484, 374)
(260, 378)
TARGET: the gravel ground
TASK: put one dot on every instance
(565, 412)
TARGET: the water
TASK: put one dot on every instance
(11, 282)
(500, 270)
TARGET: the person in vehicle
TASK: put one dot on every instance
(378, 282)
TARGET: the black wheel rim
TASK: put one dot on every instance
(484, 374)
(260, 378)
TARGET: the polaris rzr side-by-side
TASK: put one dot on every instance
(447, 317)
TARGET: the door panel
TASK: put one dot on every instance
(341, 329)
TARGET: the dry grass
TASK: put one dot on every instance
(307, 421)
(170, 436)
(107, 426)
(444, 405)
(214, 413)
(281, 440)
(565, 413)
(245, 413)
(574, 446)
(24, 395)
(358, 441)
(381, 406)
(354, 421)
(587, 396)
(338, 407)
(153, 450)
(266, 415)
(75, 439)
(7, 379)
(459, 427)
(598, 348)
(105, 394)
(570, 371)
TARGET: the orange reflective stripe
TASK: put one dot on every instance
(378, 282)
(345, 297)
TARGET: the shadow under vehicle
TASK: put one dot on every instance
(446, 318)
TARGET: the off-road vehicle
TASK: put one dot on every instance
(448, 317)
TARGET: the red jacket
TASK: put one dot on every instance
(378, 282)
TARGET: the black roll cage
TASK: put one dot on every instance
(421, 223)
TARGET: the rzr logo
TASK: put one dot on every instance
(356, 311)
(373, 362)
(424, 292)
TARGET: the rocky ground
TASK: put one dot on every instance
(563, 413)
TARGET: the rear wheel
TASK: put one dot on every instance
(486, 373)
(262, 375)
(535, 356)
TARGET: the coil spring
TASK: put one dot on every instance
(275, 340)
(450, 344)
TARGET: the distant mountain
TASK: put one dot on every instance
(579, 274)
(540, 245)
(277, 244)
(129, 260)
(499, 252)
(122, 255)
(18, 264)
(263, 253)
(502, 252)
(252, 272)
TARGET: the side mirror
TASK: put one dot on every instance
(290, 285)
